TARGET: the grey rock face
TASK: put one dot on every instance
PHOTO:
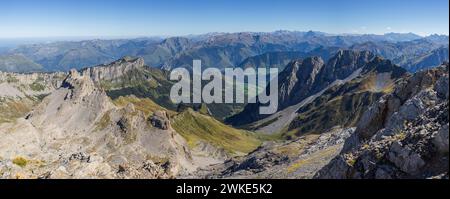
(258, 163)
(404, 135)
(299, 76)
(344, 63)
(383, 173)
(303, 78)
(338, 169)
(380, 113)
(405, 159)
(440, 139)
(114, 70)
(442, 87)
(160, 119)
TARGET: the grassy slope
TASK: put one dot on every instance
(10, 110)
(195, 127)
(145, 105)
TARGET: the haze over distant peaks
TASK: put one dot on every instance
(215, 49)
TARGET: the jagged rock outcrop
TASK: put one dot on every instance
(73, 107)
(314, 75)
(403, 135)
(340, 103)
(377, 116)
(344, 104)
(160, 119)
(77, 132)
(303, 78)
(299, 76)
(114, 70)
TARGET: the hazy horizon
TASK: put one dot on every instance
(136, 18)
(89, 37)
(15, 41)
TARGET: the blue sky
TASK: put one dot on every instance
(102, 18)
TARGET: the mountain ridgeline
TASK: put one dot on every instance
(220, 50)
(304, 78)
(400, 131)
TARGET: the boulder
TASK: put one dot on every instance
(440, 139)
(404, 158)
(441, 87)
(160, 119)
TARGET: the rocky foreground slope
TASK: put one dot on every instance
(74, 129)
(404, 134)
(77, 132)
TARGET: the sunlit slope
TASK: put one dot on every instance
(196, 127)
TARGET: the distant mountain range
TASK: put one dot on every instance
(244, 49)
(425, 60)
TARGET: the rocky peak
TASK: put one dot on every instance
(344, 63)
(114, 70)
(303, 78)
(310, 67)
(298, 76)
(312, 75)
(290, 71)
(78, 84)
(381, 65)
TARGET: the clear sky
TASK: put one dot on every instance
(131, 18)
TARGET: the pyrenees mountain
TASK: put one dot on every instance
(424, 61)
(349, 107)
(304, 78)
(218, 50)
